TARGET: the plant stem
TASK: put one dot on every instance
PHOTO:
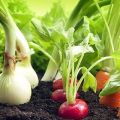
(79, 62)
(92, 66)
(107, 27)
(10, 43)
(52, 68)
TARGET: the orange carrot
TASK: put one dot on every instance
(112, 100)
(101, 77)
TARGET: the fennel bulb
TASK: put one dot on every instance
(14, 88)
(28, 72)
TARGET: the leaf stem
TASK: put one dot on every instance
(106, 24)
(91, 67)
(10, 42)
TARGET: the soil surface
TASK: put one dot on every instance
(41, 107)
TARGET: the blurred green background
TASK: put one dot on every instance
(40, 7)
(23, 14)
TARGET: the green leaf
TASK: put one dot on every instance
(79, 49)
(113, 84)
(55, 15)
(89, 81)
(42, 30)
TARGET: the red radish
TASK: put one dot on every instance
(76, 111)
(101, 77)
(58, 84)
(60, 95)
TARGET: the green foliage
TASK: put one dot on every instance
(47, 30)
(113, 85)
(89, 81)
(55, 15)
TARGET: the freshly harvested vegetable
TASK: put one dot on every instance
(112, 100)
(12, 83)
(24, 66)
(59, 95)
(77, 111)
(57, 84)
(101, 77)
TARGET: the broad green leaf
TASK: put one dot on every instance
(89, 81)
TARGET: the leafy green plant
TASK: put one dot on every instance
(110, 41)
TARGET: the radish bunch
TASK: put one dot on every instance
(77, 110)
(59, 94)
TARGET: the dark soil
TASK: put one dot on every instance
(41, 107)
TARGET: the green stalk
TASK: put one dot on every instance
(72, 86)
(83, 8)
(52, 68)
(106, 25)
(66, 80)
(75, 14)
(90, 11)
(91, 67)
(71, 81)
(111, 33)
(10, 43)
(78, 65)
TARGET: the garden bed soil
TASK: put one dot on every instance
(41, 107)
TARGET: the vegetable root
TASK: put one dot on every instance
(101, 77)
(112, 100)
